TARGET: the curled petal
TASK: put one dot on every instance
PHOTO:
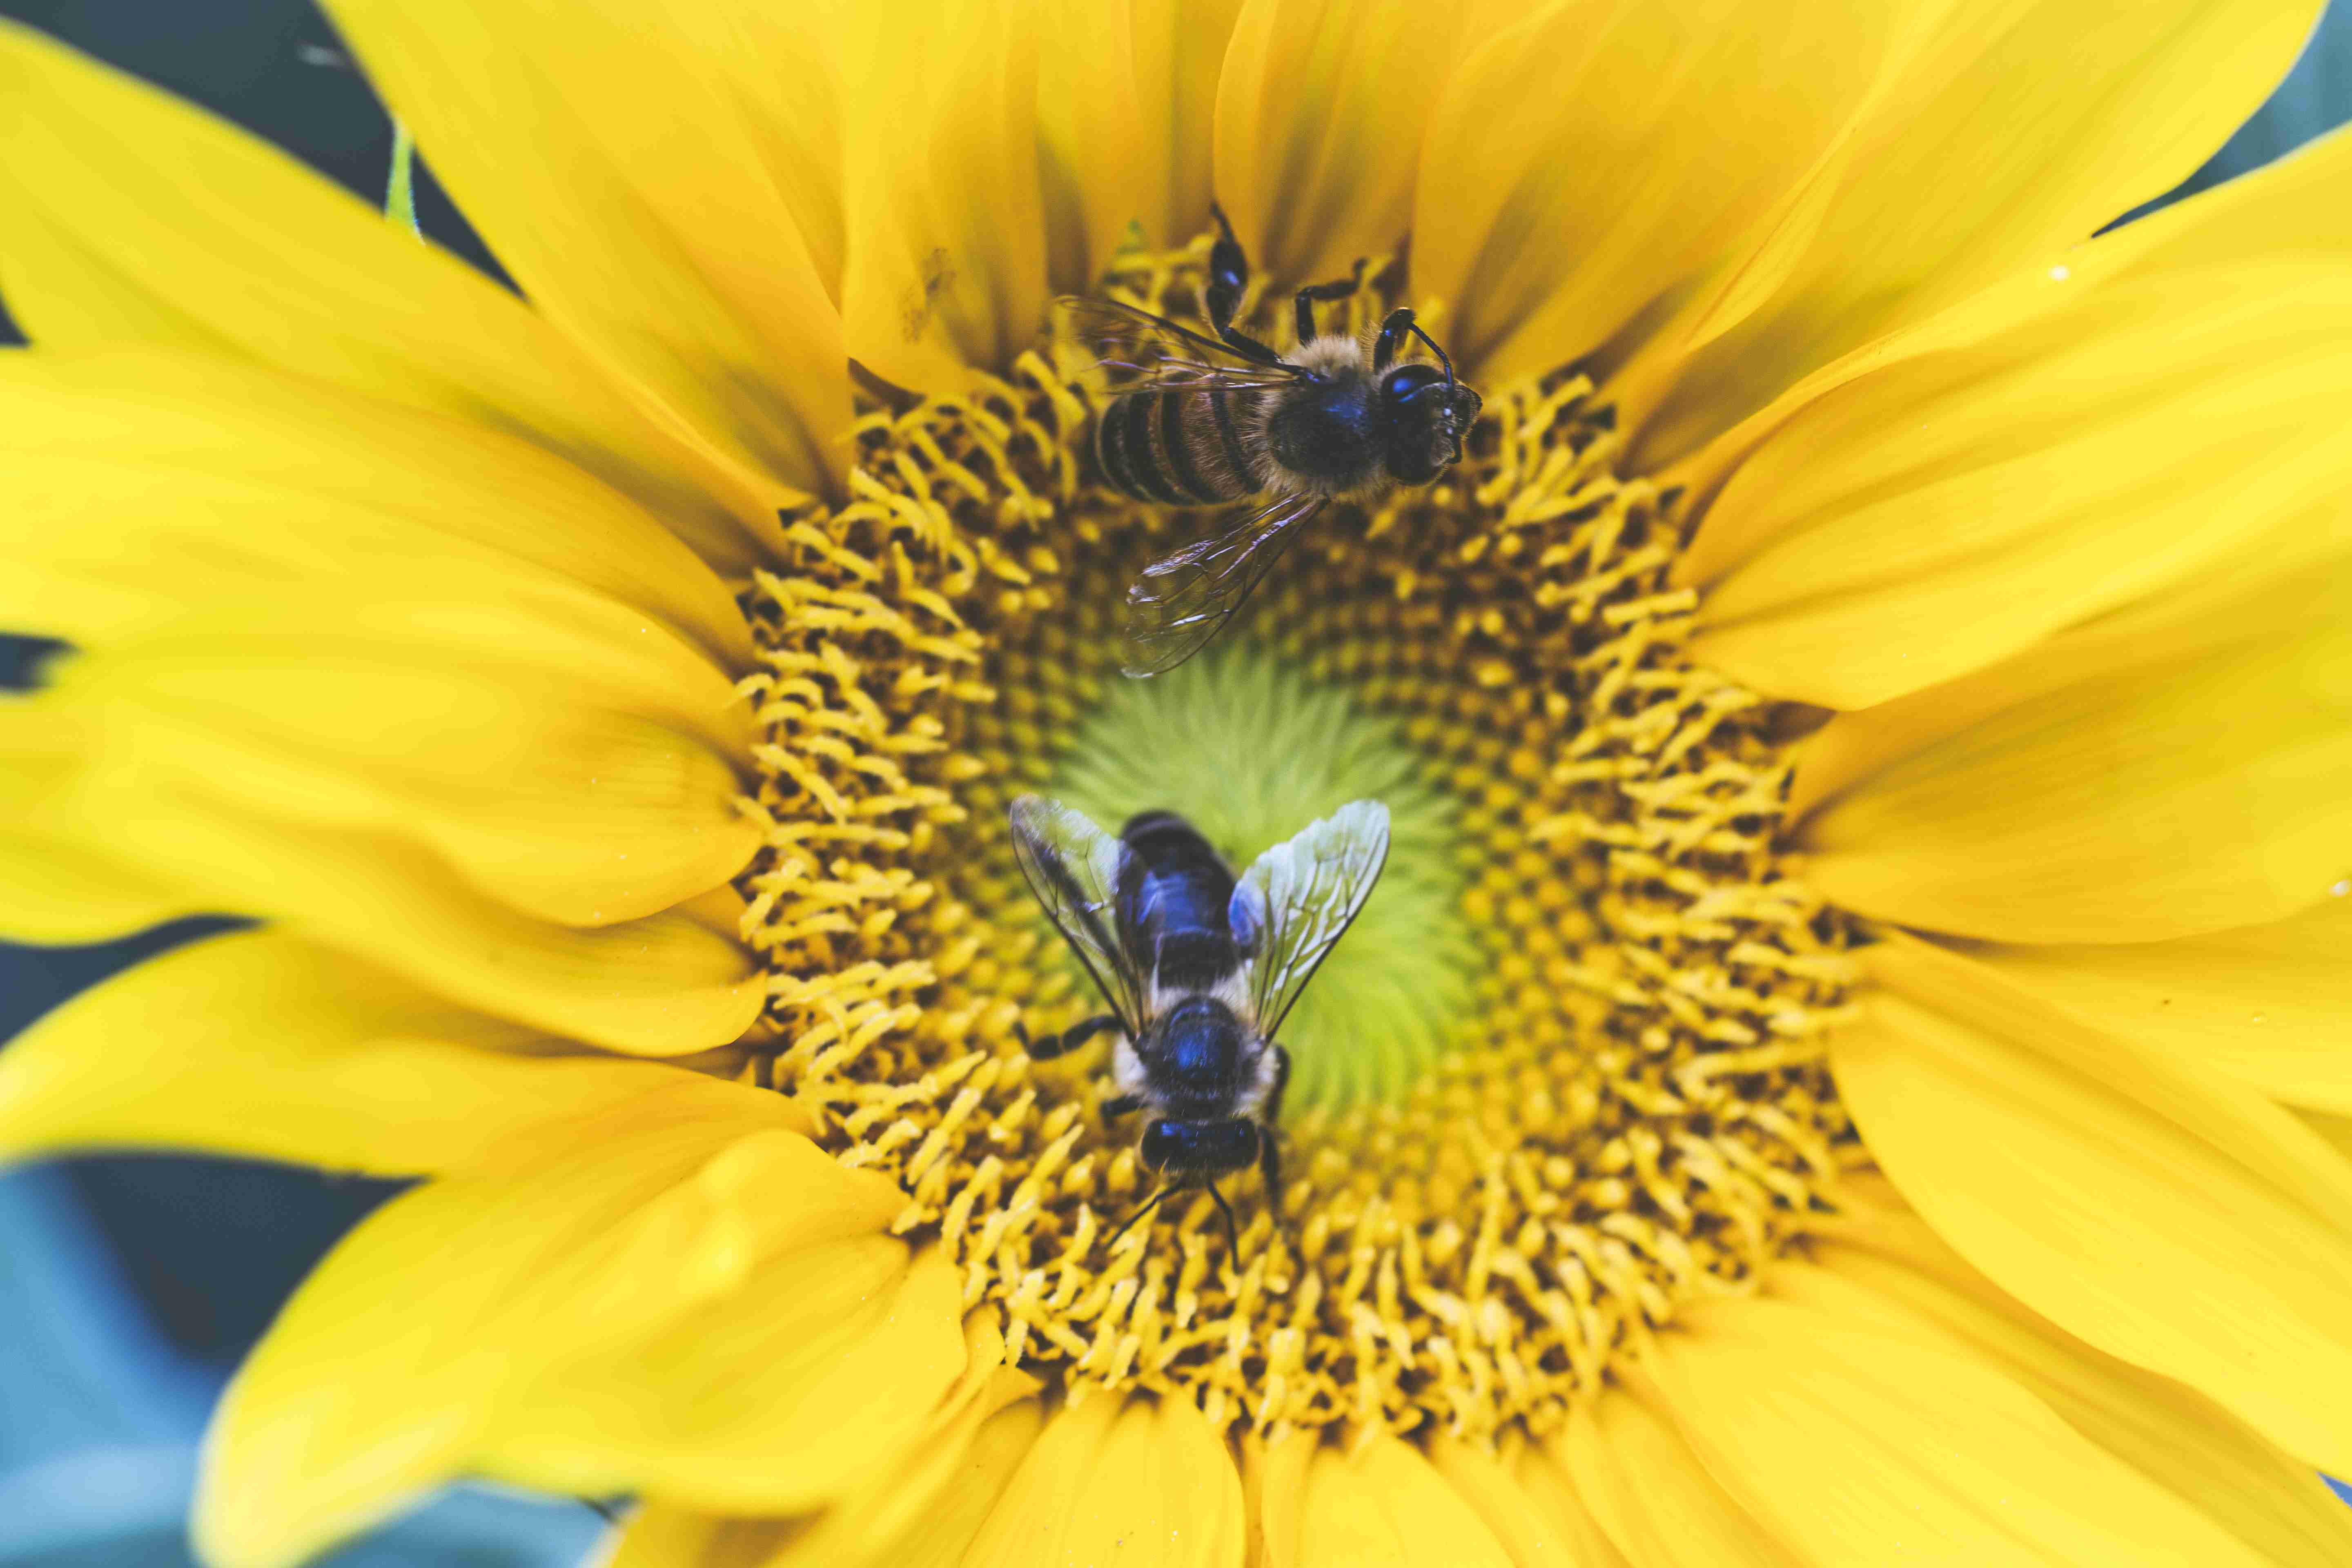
(677, 1289)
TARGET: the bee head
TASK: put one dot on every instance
(1424, 413)
(1182, 1149)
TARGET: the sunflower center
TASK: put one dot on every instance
(1565, 1073)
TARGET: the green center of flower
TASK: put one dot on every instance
(1566, 1072)
(1254, 750)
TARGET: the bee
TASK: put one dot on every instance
(1213, 421)
(1199, 969)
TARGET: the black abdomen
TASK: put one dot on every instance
(1173, 895)
(1179, 448)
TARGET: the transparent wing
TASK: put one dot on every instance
(1145, 347)
(1072, 868)
(1179, 601)
(1306, 893)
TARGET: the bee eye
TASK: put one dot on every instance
(1406, 381)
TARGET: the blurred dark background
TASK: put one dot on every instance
(130, 1285)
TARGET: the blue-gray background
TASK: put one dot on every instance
(130, 1285)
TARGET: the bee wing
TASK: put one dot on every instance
(1172, 357)
(1301, 895)
(1179, 601)
(1072, 867)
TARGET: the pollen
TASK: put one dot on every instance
(1575, 1077)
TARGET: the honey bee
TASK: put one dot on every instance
(1207, 422)
(1199, 968)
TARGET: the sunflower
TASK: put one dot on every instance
(1846, 1062)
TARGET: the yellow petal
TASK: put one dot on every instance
(1530, 1533)
(57, 887)
(1889, 1259)
(2291, 207)
(2158, 1211)
(231, 248)
(1546, 1483)
(2265, 1004)
(944, 1532)
(1319, 114)
(1095, 175)
(666, 985)
(821, 1365)
(946, 253)
(59, 895)
(1594, 162)
(1143, 1483)
(2148, 776)
(1274, 1480)
(1857, 1441)
(553, 787)
(956, 1484)
(2235, 607)
(1952, 510)
(145, 480)
(260, 1045)
(629, 185)
(2011, 129)
(2289, 210)
(592, 1250)
(1382, 1505)
(774, 60)
(1126, 92)
(2335, 1130)
(896, 1500)
(925, 1504)
(2263, 227)
(660, 1535)
(1652, 1497)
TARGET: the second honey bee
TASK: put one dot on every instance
(1199, 968)
(1206, 422)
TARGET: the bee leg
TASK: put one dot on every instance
(1068, 1040)
(1228, 280)
(1228, 273)
(1148, 1204)
(1304, 302)
(1391, 338)
(1232, 1231)
(1269, 1152)
(1392, 335)
(1119, 1105)
(1269, 1170)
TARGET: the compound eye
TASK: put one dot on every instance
(1405, 380)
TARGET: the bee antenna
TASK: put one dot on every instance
(1148, 1204)
(1440, 352)
(1233, 1232)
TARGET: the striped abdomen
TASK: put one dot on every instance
(1180, 447)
